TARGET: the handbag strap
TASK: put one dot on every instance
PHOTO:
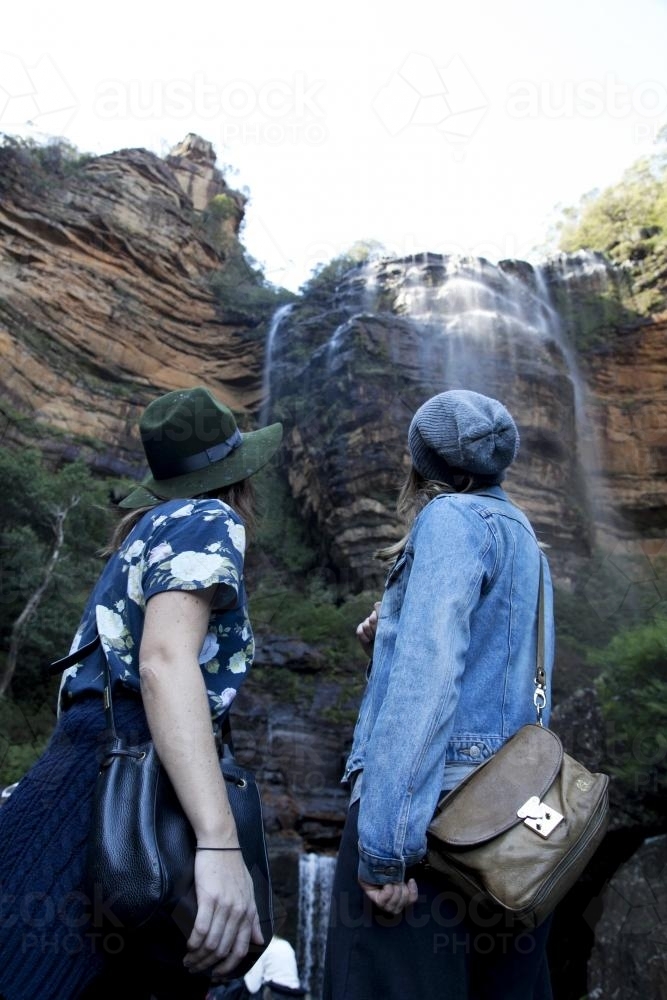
(77, 656)
(222, 730)
(540, 695)
(57, 666)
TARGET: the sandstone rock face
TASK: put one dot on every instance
(105, 300)
(629, 412)
(193, 163)
(620, 356)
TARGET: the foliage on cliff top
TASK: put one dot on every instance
(326, 277)
(28, 164)
(241, 289)
(626, 221)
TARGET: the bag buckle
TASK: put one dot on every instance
(539, 816)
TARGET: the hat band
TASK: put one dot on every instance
(192, 463)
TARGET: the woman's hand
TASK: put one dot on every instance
(392, 897)
(367, 628)
(227, 921)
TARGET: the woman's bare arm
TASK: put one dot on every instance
(178, 714)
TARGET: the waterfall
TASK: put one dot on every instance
(270, 352)
(589, 455)
(590, 296)
(395, 331)
(316, 873)
(470, 313)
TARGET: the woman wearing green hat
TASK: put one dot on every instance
(171, 612)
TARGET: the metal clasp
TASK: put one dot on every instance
(539, 816)
(539, 701)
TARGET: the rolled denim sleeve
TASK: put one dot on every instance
(453, 547)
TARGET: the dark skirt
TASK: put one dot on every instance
(51, 943)
(432, 950)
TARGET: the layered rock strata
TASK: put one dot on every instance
(105, 300)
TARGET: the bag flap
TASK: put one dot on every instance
(486, 802)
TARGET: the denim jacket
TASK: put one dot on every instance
(452, 675)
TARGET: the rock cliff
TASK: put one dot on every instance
(110, 292)
(105, 297)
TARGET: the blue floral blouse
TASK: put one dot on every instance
(178, 545)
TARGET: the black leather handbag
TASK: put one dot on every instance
(141, 848)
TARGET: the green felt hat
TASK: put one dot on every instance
(193, 446)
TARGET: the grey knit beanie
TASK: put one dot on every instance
(462, 430)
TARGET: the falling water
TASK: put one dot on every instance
(466, 309)
(316, 873)
(495, 329)
(591, 296)
(269, 356)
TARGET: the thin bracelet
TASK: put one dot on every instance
(217, 848)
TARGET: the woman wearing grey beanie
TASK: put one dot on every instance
(451, 679)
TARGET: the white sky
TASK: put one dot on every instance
(425, 125)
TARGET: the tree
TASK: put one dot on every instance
(52, 524)
(615, 220)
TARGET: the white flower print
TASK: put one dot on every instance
(74, 669)
(218, 510)
(159, 553)
(134, 588)
(236, 535)
(134, 551)
(237, 663)
(183, 511)
(196, 566)
(209, 648)
(160, 519)
(221, 701)
(109, 623)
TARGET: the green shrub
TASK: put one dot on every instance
(240, 288)
(632, 687)
(282, 533)
(27, 164)
(34, 498)
(24, 733)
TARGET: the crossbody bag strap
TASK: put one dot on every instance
(77, 656)
(57, 666)
(222, 730)
(540, 695)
